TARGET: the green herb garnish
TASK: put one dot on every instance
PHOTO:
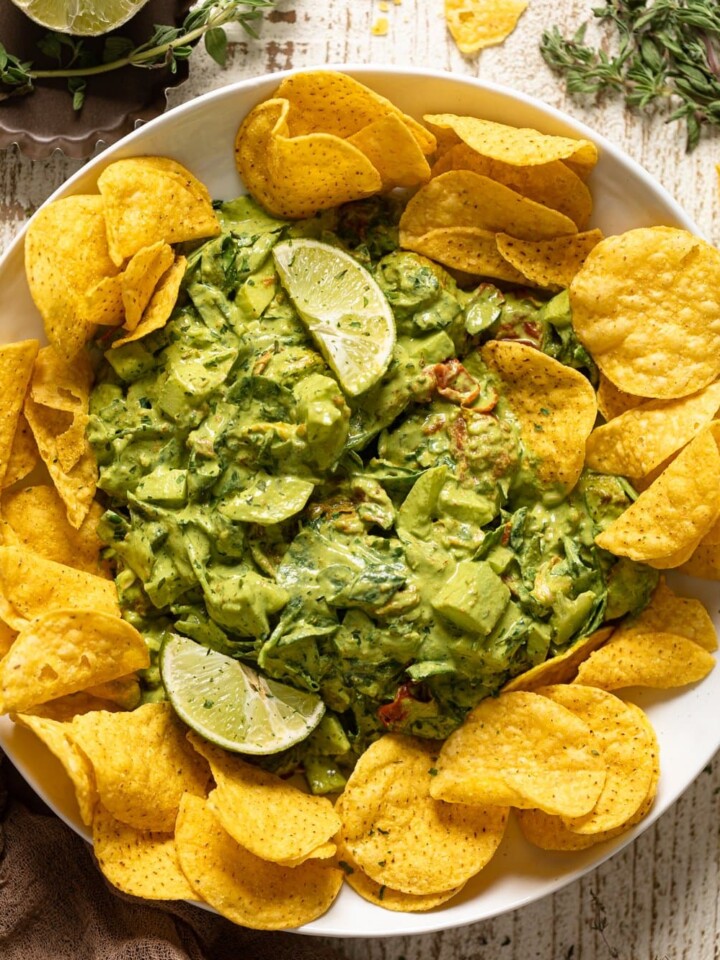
(668, 52)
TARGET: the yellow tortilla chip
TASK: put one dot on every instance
(250, 802)
(24, 456)
(143, 764)
(138, 862)
(519, 146)
(704, 562)
(103, 302)
(247, 890)
(384, 896)
(562, 668)
(629, 748)
(7, 638)
(161, 305)
(77, 485)
(66, 256)
(123, 691)
(667, 520)
(30, 586)
(669, 613)
(469, 249)
(324, 101)
(16, 365)
(295, 176)
(551, 264)
(140, 277)
(475, 24)
(147, 199)
(65, 651)
(394, 152)
(554, 404)
(71, 705)
(659, 660)
(644, 304)
(551, 184)
(637, 441)
(37, 520)
(56, 738)
(399, 834)
(612, 401)
(521, 750)
(461, 198)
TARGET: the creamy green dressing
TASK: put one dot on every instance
(392, 552)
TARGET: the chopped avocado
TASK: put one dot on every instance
(473, 598)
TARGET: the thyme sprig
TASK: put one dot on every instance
(667, 53)
(167, 46)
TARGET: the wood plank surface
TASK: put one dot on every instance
(657, 899)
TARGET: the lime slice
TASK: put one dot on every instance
(343, 308)
(232, 705)
(85, 18)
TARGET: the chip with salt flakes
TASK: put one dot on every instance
(31, 586)
(554, 404)
(612, 401)
(77, 484)
(35, 518)
(519, 146)
(629, 749)
(66, 257)
(637, 441)
(653, 659)
(56, 738)
(157, 312)
(475, 24)
(551, 184)
(140, 278)
(295, 176)
(67, 651)
(143, 764)
(521, 750)
(146, 199)
(324, 101)
(247, 890)
(667, 612)
(402, 836)
(645, 304)
(667, 521)
(16, 366)
(138, 862)
(390, 146)
(250, 803)
(462, 198)
(550, 264)
(470, 249)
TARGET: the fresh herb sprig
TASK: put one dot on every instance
(167, 46)
(668, 53)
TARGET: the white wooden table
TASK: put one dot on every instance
(659, 899)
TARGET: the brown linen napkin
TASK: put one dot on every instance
(56, 905)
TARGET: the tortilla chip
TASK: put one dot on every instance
(669, 613)
(551, 184)
(659, 660)
(612, 401)
(16, 365)
(161, 305)
(147, 199)
(394, 152)
(140, 278)
(561, 668)
(645, 305)
(550, 264)
(476, 24)
(554, 404)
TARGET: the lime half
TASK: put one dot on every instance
(85, 18)
(343, 308)
(230, 704)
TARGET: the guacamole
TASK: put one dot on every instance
(393, 552)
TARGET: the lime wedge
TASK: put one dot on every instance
(230, 704)
(85, 18)
(343, 308)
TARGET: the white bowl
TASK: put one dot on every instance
(200, 134)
